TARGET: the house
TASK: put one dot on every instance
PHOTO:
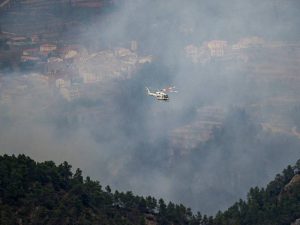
(31, 52)
(191, 51)
(35, 38)
(145, 59)
(70, 93)
(134, 46)
(46, 48)
(197, 54)
(121, 52)
(61, 83)
(217, 47)
(26, 58)
(248, 42)
(18, 41)
(89, 78)
(70, 54)
(54, 60)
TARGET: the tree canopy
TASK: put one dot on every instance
(44, 193)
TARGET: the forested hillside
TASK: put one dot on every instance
(277, 204)
(43, 193)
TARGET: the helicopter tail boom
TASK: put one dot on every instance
(149, 92)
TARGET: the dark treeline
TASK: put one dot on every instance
(278, 203)
(43, 193)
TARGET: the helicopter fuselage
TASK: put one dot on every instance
(159, 95)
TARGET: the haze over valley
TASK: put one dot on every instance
(72, 88)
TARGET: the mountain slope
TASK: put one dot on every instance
(277, 204)
(43, 193)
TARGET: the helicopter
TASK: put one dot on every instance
(161, 94)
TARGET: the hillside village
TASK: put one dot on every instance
(69, 67)
(69, 70)
(56, 64)
(39, 43)
(270, 62)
